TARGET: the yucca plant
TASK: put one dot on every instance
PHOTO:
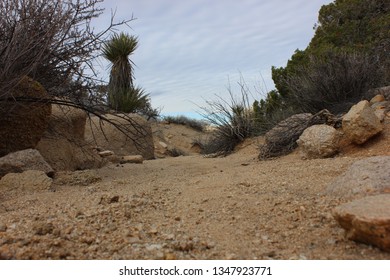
(118, 50)
(132, 100)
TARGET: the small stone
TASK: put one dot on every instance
(133, 240)
(106, 153)
(132, 159)
(377, 98)
(170, 256)
(3, 228)
(42, 228)
(164, 145)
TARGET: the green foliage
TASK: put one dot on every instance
(183, 120)
(347, 55)
(122, 96)
(333, 81)
(234, 121)
(131, 100)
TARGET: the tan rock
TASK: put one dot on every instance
(106, 153)
(377, 98)
(28, 181)
(63, 145)
(319, 141)
(367, 220)
(20, 161)
(361, 123)
(164, 145)
(22, 124)
(132, 159)
(364, 177)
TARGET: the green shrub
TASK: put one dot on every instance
(334, 81)
(198, 125)
(234, 120)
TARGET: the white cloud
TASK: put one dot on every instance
(188, 49)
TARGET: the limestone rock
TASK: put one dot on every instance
(106, 153)
(28, 181)
(132, 159)
(319, 141)
(20, 161)
(377, 98)
(63, 145)
(22, 124)
(367, 220)
(164, 145)
(385, 91)
(108, 137)
(364, 177)
(361, 123)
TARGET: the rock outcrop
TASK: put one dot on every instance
(132, 136)
(22, 123)
(63, 145)
(361, 123)
(367, 220)
(365, 177)
(319, 141)
(20, 161)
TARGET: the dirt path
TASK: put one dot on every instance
(185, 208)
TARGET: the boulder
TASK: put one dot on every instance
(319, 141)
(367, 220)
(132, 135)
(20, 161)
(364, 177)
(63, 145)
(361, 123)
(29, 181)
(22, 124)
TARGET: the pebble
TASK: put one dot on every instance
(3, 228)
(153, 247)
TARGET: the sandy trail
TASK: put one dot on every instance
(185, 208)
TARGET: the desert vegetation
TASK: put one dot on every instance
(347, 56)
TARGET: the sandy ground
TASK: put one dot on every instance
(188, 207)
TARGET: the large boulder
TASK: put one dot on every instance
(361, 123)
(20, 161)
(319, 141)
(23, 123)
(63, 145)
(364, 177)
(131, 135)
(367, 220)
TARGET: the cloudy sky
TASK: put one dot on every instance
(190, 50)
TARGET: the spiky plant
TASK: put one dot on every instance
(118, 50)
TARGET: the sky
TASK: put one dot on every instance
(191, 51)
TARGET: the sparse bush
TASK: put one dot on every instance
(234, 121)
(333, 81)
(198, 125)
